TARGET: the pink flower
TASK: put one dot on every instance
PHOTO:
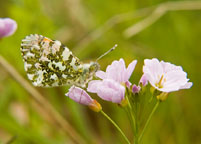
(81, 96)
(7, 27)
(164, 76)
(111, 87)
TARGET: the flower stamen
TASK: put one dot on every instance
(160, 83)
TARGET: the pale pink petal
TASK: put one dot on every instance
(144, 80)
(93, 86)
(177, 78)
(79, 95)
(123, 72)
(116, 70)
(130, 69)
(128, 84)
(173, 80)
(169, 67)
(122, 63)
(110, 90)
(101, 75)
(7, 27)
(153, 70)
(187, 85)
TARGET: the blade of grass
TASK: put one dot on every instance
(160, 11)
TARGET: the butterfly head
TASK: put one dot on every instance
(94, 67)
(88, 72)
(90, 69)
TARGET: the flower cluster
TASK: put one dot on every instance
(162, 76)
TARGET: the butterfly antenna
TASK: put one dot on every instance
(106, 52)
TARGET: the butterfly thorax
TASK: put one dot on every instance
(49, 63)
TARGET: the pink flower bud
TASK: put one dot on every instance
(136, 89)
(79, 95)
(128, 84)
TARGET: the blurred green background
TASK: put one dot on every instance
(83, 26)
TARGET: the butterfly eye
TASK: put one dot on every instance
(94, 67)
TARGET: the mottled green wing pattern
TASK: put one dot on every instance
(49, 63)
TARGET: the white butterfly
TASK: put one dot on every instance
(49, 63)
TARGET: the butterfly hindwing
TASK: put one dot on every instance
(49, 63)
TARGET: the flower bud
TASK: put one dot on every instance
(152, 90)
(136, 89)
(79, 95)
(162, 97)
(7, 27)
(128, 84)
(123, 103)
(95, 106)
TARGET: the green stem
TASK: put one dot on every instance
(148, 120)
(127, 110)
(131, 114)
(102, 112)
(136, 122)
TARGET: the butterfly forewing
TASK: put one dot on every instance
(49, 63)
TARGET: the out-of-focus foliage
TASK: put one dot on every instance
(175, 37)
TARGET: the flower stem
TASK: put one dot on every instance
(130, 118)
(102, 112)
(136, 126)
(148, 120)
(131, 114)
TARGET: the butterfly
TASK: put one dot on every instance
(49, 63)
